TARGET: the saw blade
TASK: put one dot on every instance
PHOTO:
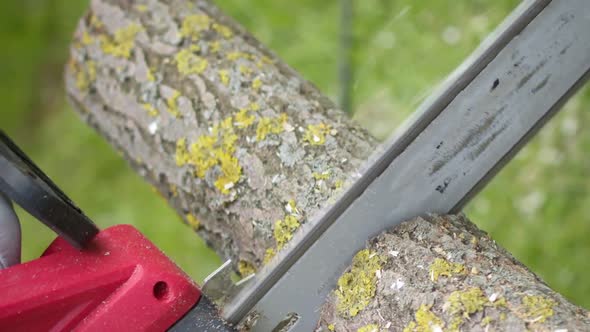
(459, 138)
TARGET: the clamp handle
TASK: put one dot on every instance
(120, 282)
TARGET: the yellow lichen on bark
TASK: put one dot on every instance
(86, 39)
(173, 190)
(254, 107)
(224, 77)
(189, 63)
(245, 70)
(213, 150)
(202, 155)
(182, 157)
(85, 74)
(235, 55)
(256, 83)
(193, 25)
(231, 172)
(150, 109)
(321, 176)
(269, 254)
(193, 221)
(172, 103)
(316, 134)
(141, 8)
(223, 30)
(284, 229)
(441, 267)
(121, 44)
(486, 321)
(214, 46)
(537, 308)
(357, 287)
(268, 126)
(95, 22)
(465, 303)
(425, 321)
(244, 119)
(461, 304)
(369, 328)
(291, 207)
(225, 134)
(246, 268)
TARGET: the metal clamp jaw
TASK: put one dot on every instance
(24, 183)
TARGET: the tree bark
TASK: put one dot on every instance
(235, 139)
(246, 151)
(442, 271)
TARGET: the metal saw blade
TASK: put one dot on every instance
(459, 138)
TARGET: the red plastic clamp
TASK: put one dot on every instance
(121, 282)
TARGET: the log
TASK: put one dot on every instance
(231, 136)
(441, 273)
(247, 151)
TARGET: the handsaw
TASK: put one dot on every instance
(456, 141)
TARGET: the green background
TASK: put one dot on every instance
(537, 207)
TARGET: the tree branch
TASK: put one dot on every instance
(443, 273)
(235, 139)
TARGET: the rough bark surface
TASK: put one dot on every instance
(231, 136)
(246, 151)
(441, 273)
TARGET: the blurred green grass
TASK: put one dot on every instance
(537, 207)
